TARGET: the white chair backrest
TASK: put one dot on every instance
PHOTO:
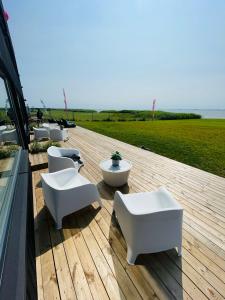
(9, 135)
(54, 151)
(56, 134)
(56, 180)
(41, 129)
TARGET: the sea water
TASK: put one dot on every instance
(205, 113)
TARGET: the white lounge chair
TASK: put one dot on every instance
(57, 134)
(67, 191)
(40, 133)
(150, 222)
(9, 136)
(59, 158)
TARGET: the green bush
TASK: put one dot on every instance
(8, 151)
(37, 147)
(160, 115)
(32, 125)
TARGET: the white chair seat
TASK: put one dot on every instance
(70, 180)
(149, 202)
(66, 191)
(150, 222)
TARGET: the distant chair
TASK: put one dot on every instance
(57, 134)
(9, 136)
(41, 133)
(150, 222)
(67, 124)
(66, 191)
(61, 158)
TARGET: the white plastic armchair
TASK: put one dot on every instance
(57, 159)
(57, 134)
(66, 191)
(9, 136)
(40, 133)
(151, 222)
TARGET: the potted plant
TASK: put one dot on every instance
(116, 157)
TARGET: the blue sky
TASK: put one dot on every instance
(120, 53)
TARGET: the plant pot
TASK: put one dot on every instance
(115, 163)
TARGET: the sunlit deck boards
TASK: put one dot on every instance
(87, 259)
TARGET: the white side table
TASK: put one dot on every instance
(115, 176)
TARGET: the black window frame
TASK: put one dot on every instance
(17, 265)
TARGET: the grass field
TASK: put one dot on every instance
(199, 143)
(124, 115)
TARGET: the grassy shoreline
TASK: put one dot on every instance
(199, 143)
(114, 116)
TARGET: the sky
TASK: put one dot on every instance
(120, 54)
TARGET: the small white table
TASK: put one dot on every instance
(115, 176)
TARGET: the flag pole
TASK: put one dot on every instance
(65, 102)
(153, 109)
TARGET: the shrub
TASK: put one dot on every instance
(32, 125)
(37, 147)
(8, 151)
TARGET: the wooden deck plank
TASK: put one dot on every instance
(49, 277)
(40, 290)
(65, 283)
(108, 279)
(126, 285)
(79, 279)
(89, 255)
(93, 278)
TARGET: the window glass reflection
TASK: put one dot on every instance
(8, 140)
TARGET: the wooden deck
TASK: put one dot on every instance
(87, 259)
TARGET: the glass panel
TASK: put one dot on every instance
(9, 151)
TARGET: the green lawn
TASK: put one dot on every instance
(199, 143)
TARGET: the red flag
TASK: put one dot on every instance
(64, 94)
(6, 16)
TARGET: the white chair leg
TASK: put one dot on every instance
(131, 256)
(179, 248)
